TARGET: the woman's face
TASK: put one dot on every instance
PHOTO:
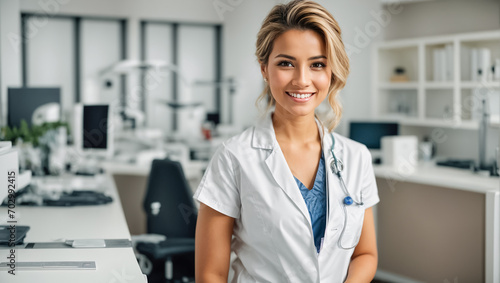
(297, 72)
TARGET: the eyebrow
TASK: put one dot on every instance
(295, 59)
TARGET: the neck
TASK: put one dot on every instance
(297, 129)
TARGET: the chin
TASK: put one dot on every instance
(301, 111)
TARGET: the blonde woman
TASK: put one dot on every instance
(291, 198)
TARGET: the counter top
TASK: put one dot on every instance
(430, 174)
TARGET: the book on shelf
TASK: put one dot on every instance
(474, 64)
(465, 63)
(484, 59)
(436, 72)
(443, 63)
(449, 62)
(480, 64)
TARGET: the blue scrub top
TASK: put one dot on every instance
(316, 202)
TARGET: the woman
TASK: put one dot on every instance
(271, 194)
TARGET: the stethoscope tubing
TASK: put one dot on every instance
(348, 200)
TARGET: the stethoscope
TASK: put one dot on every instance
(337, 166)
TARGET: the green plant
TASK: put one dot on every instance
(27, 134)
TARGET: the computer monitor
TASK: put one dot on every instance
(23, 102)
(370, 133)
(92, 129)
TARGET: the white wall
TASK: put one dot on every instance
(10, 52)
(444, 17)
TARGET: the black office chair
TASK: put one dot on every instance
(171, 212)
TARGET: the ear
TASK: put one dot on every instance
(263, 70)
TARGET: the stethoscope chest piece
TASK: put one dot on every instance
(348, 200)
(337, 167)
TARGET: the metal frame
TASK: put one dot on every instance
(24, 47)
(175, 55)
(78, 41)
(123, 78)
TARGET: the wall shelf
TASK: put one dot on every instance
(441, 123)
(422, 101)
(398, 85)
(439, 85)
(469, 84)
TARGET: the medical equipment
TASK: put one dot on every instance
(23, 104)
(400, 152)
(337, 166)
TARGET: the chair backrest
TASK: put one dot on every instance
(167, 185)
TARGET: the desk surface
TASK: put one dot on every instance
(112, 265)
(430, 174)
(81, 222)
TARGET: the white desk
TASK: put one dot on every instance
(462, 180)
(83, 222)
(430, 174)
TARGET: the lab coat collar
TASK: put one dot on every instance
(264, 136)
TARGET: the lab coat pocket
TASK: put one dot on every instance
(353, 224)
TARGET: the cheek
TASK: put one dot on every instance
(279, 79)
(323, 81)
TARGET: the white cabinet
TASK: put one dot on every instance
(451, 101)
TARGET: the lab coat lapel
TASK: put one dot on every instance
(334, 190)
(278, 167)
(265, 138)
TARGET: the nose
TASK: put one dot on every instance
(302, 77)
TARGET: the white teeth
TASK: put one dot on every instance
(302, 96)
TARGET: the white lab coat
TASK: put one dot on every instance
(248, 179)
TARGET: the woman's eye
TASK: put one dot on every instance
(285, 64)
(318, 65)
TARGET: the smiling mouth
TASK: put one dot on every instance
(300, 95)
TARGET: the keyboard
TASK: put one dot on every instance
(78, 198)
(457, 163)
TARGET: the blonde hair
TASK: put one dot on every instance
(306, 15)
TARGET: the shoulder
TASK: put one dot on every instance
(236, 145)
(239, 141)
(253, 144)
